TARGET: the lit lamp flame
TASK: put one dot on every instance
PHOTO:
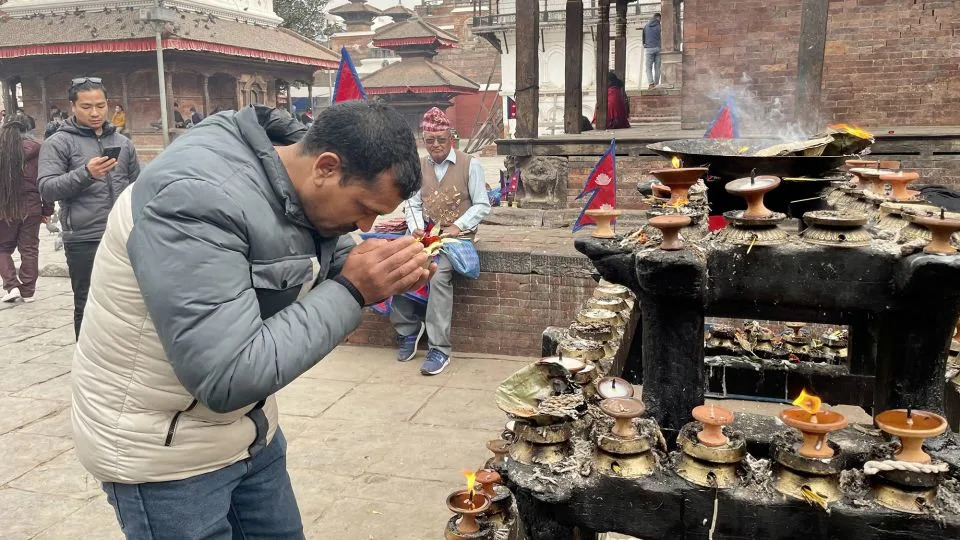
(471, 481)
(853, 130)
(675, 161)
(809, 403)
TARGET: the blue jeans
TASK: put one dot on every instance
(249, 499)
(651, 60)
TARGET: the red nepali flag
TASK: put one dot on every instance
(512, 184)
(347, 87)
(511, 108)
(725, 125)
(601, 186)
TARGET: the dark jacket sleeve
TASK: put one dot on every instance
(133, 165)
(188, 250)
(56, 182)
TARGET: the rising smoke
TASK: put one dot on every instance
(757, 116)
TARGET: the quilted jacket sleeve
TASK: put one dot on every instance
(188, 250)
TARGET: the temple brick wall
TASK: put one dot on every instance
(498, 313)
(630, 172)
(887, 62)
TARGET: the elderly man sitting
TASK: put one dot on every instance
(454, 196)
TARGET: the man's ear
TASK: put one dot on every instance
(327, 167)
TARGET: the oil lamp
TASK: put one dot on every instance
(709, 458)
(623, 451)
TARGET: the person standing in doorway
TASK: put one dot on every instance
(651, 50)
(21, 210)
(76, 170)
(454, 196)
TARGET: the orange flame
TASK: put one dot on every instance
(675, 161)
(807, 402)
(853, 130)
(471, 481)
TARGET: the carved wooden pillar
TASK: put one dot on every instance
(528, 69)
(813, 42)
(168, 106)
(44, 106)
(573, 83)
(620, 44)
(206, 95)
(603, 62)
(125, 100)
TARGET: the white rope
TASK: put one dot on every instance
(873, 467)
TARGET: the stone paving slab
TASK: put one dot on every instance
(19, 411)
(23, 452)
(23, 514)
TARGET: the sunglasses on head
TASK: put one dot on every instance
(83, 80)
(438, 140)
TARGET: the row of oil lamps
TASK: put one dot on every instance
(807, 467)
(863, 200)
(795, 344)
(588, 348)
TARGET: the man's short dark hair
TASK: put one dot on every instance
(370, 137)
(87, 86)
(656, 15)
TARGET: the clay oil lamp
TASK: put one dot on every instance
(753, 189)
(622, 450)
(623, 410)
(898, 185)
(499, 495)
(709, 458)
(941, 229)
(605, 216)
(586, 375)
(870, 178)
(912, 488)
(467, 504)
(757, 225)
(713, 419)
(912, 427)
(614, 387)
(546, 444)
(616, 305)
(670, 227)
(679, 180)
(811, 470)
(501, 451)
(723, 340)
(814, 424)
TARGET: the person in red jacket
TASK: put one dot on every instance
(21, 210)
(618, 106)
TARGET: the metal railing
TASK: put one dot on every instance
(503, 15)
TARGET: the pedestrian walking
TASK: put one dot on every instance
(651, 50)
(85, 166)
(21, 210)
(194, 323)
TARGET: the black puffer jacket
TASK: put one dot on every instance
(85, 201)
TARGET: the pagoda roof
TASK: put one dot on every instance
(419, 76)
(414, 31)
(356, 8)
(80, 32)
(399, 10)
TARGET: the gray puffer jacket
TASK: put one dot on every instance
(85, 201)
(192, 323)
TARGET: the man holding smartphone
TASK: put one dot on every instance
(85, 165)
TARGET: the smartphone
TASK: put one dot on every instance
(112, 152)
